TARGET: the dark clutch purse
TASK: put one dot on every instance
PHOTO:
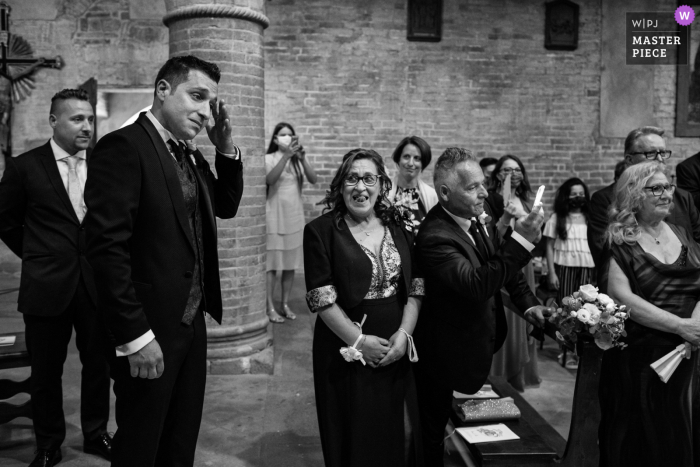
(488, 410)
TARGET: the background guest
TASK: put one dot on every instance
(286, 165)
(412, 156)
(360, 274)
(517, 359)
(41, 217)
(654, 269)
(488, 164)
(568, 256)
(642, 144)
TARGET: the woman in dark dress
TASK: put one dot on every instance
(654, 269)
(360, 278)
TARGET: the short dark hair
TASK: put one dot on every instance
(177, 69)
(425, 154)
(639, 132)
(65, 94)
(486, 161)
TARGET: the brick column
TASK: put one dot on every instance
(229, 34)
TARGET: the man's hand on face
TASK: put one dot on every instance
(530, 226)
(147, 362)
(219, 128)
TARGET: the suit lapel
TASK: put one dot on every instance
(460, 233)
(171, 178)
(202, 189)
(51, 167)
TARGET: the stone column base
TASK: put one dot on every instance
(238, 350)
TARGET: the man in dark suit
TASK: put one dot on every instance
(41, 221)
(151, 236)
(462, 322)
(641, 145)
(688, 177)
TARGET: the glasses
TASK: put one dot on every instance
(665, 154)
(367, 179)
(507, 171)
(658, 190)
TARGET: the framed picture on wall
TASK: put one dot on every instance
(688, 84)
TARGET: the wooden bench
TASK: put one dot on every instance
(540, 444)
(14, 356)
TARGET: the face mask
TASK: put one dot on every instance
(284, 141)
(578, 202)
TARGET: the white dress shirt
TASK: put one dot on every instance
(139, 343)
(81, 169)
(466, 223)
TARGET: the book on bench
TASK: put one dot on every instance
(488, 410)
(7, 340)
(487, 433)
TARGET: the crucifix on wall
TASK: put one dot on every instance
(17, 68)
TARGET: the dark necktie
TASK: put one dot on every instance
(478, 239)
(178, 151)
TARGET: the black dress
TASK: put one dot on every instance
(367, 416)
(644, 421)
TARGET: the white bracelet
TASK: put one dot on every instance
(351, 353)
(412, 352)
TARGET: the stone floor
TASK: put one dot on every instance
(249, 421)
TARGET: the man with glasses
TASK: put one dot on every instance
(642, 144)
(688, 176)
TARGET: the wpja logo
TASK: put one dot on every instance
(658, 38)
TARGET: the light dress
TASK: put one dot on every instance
(285, 218)
(573, 261)
(516, 360)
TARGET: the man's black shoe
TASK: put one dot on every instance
(101, 446)
(46, 458)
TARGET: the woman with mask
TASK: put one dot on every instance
(568, 256)
(286, 166)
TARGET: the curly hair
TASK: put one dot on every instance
(334, 201)
(425, 154)
(561, 204)
(523, 191)
(627, 199)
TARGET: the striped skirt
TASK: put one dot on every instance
(571, 278)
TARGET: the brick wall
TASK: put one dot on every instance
(345, 76)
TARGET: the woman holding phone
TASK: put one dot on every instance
(286, 166)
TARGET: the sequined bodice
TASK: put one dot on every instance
(386, 269)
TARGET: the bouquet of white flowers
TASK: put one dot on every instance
(587, 311)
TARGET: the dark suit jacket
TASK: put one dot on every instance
(688, 177)
(462, 321)
(38, 223)
(333, 258)
(684, 214)
(138, 238)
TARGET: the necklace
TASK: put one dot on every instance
(656, 239)
(357, 224)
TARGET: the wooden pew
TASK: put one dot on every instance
(540, 444)
(14, 356)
